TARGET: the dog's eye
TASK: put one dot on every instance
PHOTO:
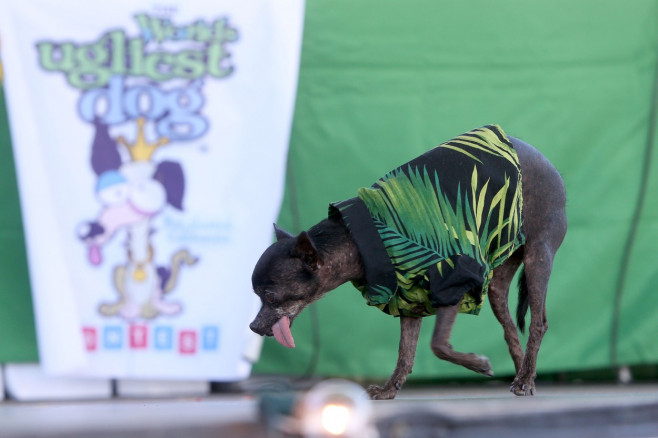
(269, 297)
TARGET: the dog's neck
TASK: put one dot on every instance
(340, 256)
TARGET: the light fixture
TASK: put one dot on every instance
(335, 408)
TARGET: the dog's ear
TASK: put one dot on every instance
(104, 150)
(281, 233)
(305, 249)
(170, 175)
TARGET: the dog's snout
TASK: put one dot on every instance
(256, 328)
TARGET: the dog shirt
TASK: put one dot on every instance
(431, 231)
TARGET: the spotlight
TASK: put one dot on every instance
(335, 408)
(332, 408)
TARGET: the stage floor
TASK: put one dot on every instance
(443, 411)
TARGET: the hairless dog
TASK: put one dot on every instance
(439, 247)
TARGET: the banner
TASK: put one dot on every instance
(150, 144)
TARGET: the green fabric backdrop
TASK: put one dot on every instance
(381, 82)
(17, 330)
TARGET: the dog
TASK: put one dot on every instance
(134, 190)
(432, 237)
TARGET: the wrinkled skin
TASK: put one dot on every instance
(292, 273)
(296, 271)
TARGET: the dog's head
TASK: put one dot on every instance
(286, 280)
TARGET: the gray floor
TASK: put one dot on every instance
(453, 411)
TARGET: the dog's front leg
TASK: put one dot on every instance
(445, 319)
(409, 331)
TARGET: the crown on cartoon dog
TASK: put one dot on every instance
(142, 150)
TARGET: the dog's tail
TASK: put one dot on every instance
(169, 278)
(522, 306)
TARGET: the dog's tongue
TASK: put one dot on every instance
(95, 256)
(282, 333)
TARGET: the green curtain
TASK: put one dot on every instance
(17, 331)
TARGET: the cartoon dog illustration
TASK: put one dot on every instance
(132, 193)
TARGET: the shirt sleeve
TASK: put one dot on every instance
(450, 279)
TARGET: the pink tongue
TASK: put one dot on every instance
(282, 333)
(95, 255)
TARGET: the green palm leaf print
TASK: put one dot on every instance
(451, 215)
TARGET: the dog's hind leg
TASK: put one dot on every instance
(445, 319)
(544, 225)
(498, 298)
(538, 261)
(409, 331)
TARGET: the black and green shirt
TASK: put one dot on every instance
(431, 231)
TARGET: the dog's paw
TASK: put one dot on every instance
(483, 366)
(377, 392)
(521, 388)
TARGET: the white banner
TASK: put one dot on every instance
(150, 142)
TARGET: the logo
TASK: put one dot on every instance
(162, 338)
(140, 94)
